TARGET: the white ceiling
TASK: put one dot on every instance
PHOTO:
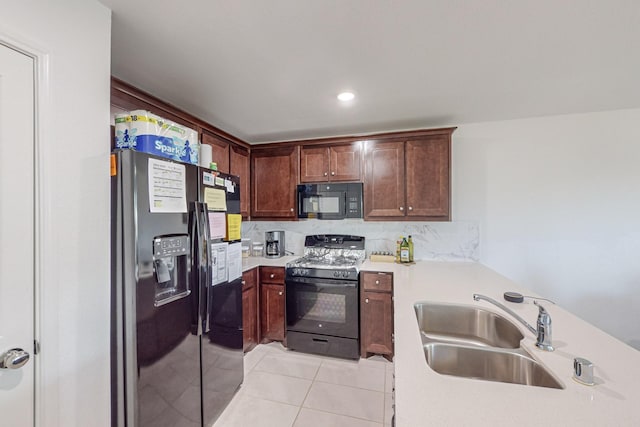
(269, 70)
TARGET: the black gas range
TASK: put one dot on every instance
(323, 296)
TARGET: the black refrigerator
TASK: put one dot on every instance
(176, 299)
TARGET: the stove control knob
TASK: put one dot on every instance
(336, 274)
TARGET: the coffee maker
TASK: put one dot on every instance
(274, 244)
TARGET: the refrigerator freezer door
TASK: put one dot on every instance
(222, 354)
(157, 358)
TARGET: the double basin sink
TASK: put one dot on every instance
(471, 342)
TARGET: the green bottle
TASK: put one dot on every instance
(410, 249)
(404, 251)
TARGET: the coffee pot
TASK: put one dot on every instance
(274, 244)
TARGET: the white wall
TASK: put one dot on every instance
(558, 205)
(73, 38)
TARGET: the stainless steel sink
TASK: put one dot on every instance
(465, 324)
(488, 364)
(471, 342)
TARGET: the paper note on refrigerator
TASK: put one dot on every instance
(234, 261)
(217, 225)
(167, 186)
(234, 223)
(215, 199)
(219, 263)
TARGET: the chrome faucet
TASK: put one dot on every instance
(543, 329)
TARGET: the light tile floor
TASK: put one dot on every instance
(284, 388)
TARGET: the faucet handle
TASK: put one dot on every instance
(543, 329)
(583, 371)
(541, 310)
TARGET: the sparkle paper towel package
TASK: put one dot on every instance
(145, 131)
(123, 136)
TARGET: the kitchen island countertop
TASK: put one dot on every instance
(424, 397)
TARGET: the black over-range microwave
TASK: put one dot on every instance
(330, 201)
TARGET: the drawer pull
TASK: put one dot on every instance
(377, 282)
(366, 300)
(244, 283)
(272, 276)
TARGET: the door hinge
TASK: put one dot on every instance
(36, 347)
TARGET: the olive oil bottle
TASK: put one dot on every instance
(404, 250)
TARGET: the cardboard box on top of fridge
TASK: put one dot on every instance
(142, 130)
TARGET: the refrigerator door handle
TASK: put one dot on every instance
(208, 273)
(197, 264)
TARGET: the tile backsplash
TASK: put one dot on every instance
(444, 241)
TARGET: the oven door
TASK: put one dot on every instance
(322, 306)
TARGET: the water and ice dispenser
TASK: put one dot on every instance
(170, 258)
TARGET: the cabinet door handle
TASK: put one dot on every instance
(291, 209)
(401, 208)
(244, 283)
(366, 300)
(377, 282)
(410, 208)
(333, 173)
(280, 293)
(271, 276)
(325, 174)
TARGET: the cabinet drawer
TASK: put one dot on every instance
(272, 274)
(249, 279)
(382, 282)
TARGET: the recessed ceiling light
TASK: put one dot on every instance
(346, 96)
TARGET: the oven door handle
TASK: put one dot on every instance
(320, 283)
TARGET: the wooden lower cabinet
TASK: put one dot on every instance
(249, 309)
(272, 304)
(376, 314)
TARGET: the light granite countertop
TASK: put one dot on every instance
(252, 262)
(424, 397)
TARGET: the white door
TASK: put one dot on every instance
(17, 236)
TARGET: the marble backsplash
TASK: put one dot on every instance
(444, 241)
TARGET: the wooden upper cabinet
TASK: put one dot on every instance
(428, 177)
(384, 179)
(314, 164)
(408, 179)
(220, 148)
(331, 164)
(273, 182)
(345, 161)
(239, 166)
